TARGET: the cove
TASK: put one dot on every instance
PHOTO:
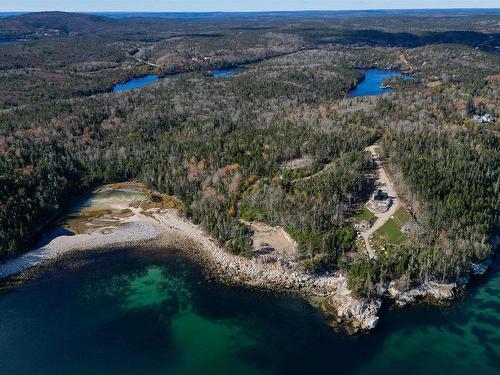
(151, 311)
(371, 85)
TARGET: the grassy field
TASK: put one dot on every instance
(391, 232)
(402, 216)
(365, 215)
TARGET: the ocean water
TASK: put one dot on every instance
(151, 311)
(274, 14)
(10, 14)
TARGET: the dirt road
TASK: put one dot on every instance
(386, 184)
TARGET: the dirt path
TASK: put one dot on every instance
(326, 168)
(146, 62)
(382, 218)
(143, 61)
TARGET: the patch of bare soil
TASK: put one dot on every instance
(275, 240)
(298, 163)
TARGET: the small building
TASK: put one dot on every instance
(381, 195)
(485, 119)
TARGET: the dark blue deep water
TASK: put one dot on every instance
(374, 78)
(151, 311)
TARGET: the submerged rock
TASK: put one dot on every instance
(464, 280)
(479, 269)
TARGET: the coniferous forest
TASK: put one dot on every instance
(220, 145)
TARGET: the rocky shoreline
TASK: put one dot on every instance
(352, 313)
(124, 223)
(166, 228)
(432, 292)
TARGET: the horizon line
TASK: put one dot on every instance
(251, 11)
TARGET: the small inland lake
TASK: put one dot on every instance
(137, 83)
(373, 82)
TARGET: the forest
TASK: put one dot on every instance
(219, 145)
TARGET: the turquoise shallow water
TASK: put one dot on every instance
(148, 311)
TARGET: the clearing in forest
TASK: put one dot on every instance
(268, 239)
(388, 190)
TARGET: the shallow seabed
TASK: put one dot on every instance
(151, 311)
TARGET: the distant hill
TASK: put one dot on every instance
(397, 28)
(54, 23)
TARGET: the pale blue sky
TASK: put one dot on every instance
(231, 5)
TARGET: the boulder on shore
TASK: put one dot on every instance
(430, 291)
(352, 314)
